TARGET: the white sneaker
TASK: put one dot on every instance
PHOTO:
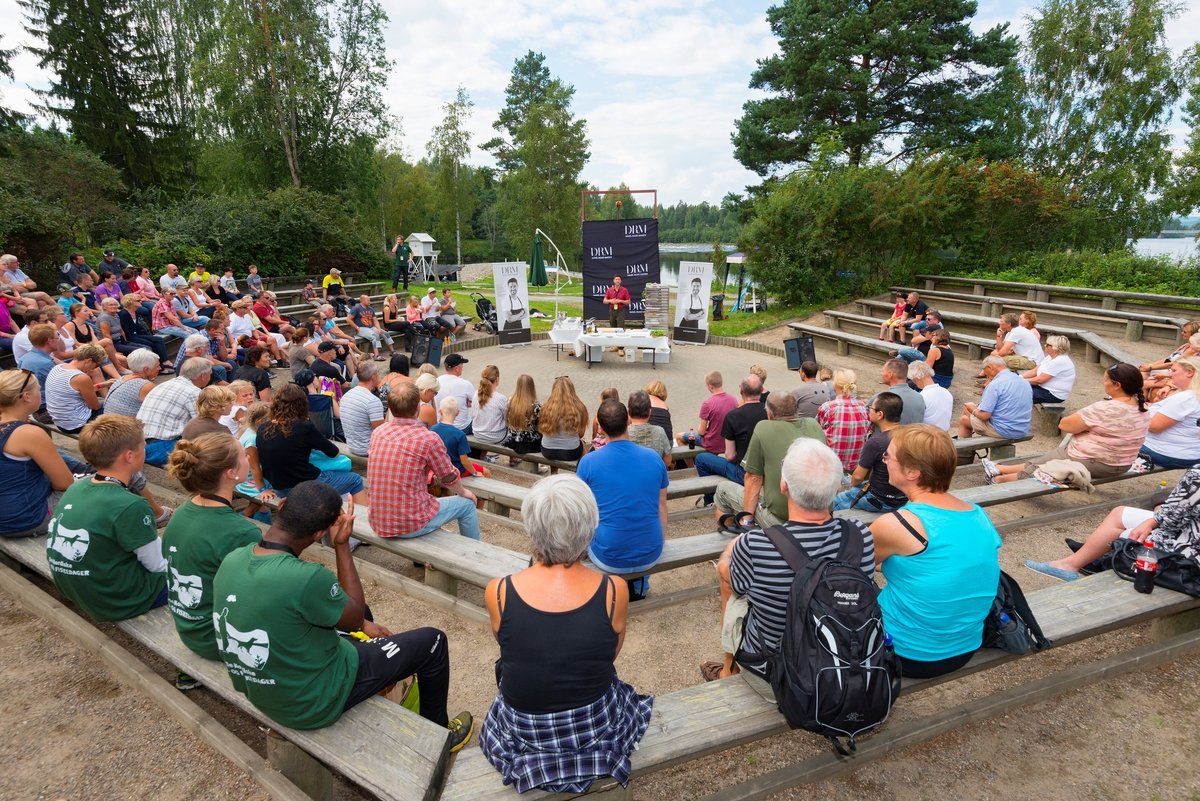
(990, 469)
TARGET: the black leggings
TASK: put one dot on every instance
(383, 662)
(914, 669)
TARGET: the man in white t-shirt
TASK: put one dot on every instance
(1016, 345)
(939, 403)
(1054, 378)
(452, 384)
(171, 279)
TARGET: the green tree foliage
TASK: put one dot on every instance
(604, 207)
(700, 222)
(108, 86)
(8, 117)
(541, 160)
(874, 73)
(1100, 85)
(1184, 192)
(455, 181)
(294, 87)
(406, 197)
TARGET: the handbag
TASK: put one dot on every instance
(329, 464)
(1175, 571)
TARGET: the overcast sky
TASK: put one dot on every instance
(660, 82)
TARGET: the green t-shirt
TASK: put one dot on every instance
(403, 253)
(768, 446)
(90, 547)
(275, 618)
(195, 541)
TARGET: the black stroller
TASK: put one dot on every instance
(486, 312)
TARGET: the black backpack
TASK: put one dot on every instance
(1022, 631)
(833, 675)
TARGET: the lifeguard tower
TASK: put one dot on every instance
(423, 267)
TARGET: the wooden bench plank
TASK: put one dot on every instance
(678, 453)
(378, 745)
(974, 343)
(512, 496)
(1179, 300)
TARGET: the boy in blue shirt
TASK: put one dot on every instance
(456, 441)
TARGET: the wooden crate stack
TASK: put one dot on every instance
(658, 306)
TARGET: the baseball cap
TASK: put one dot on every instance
(455, 359)
(308, 280)
(432, 289)
(325, 347)
(110, 253)
(65, 287)
(335, 271)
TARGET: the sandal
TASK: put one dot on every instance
(711, 669)
(733, 525)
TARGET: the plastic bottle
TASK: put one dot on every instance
(1144, 569)
(1007, 624)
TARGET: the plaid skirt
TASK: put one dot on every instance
(564, 752)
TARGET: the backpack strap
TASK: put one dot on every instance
(850, 550)
(791, 551)
(1022, 608)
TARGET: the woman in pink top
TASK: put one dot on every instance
(145, 286)
(1107, 435)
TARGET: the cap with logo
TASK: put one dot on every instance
(325, 347)
(335, 271)
(65, 287)
(110, 253)
(307, 281)
(455, 359)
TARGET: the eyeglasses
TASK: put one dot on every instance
(28, 375)
(885, 458)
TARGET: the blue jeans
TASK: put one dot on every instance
(197, 324)
(1166, 462)
(1040, 395)
(640, 584)
(452, 508)
(917, 326)
(691, 439)
(910, 355)
(154, 343)
(73, 464)
(219, 373)
(711, 464)
(868, 502)
(174, 331)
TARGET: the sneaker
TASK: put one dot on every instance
(990, 468)
(185, 682)
(162, 519)
(1141, 465)
(492, 458)
(271, 374)
(461, 728)
(893, 353)
(453, 339)
(1046, 569)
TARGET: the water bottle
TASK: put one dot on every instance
(1007, 624)
(1144, 568)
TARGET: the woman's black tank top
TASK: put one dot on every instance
(555, 661)
(945, 363)
(83, 334)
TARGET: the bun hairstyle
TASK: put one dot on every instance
(1130, 379)
(198, 463)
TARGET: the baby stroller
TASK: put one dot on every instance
(486, 312)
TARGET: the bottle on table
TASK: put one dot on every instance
(1145, 568)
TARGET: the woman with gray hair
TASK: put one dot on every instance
(126, 397)
(560, 626)
(1054, 378)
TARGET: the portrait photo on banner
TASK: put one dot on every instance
(512, 302)
(691, 302)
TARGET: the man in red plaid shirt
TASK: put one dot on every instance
(402, 455)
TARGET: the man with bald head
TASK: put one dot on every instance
(737, 429)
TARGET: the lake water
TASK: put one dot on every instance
(1178, 248)
(669, 257)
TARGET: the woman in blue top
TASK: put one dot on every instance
(939, 554)
(32, 473)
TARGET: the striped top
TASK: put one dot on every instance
(63, 401)
(757, 570)
(123, 398)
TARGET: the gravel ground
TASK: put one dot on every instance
(1080, 745)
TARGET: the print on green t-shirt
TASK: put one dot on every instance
(194, 542)
(90, 546)
(403, 253)
(275, 617)
(768, 446)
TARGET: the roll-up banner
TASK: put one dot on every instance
(691, 302)
(628, 248)
(512, 302)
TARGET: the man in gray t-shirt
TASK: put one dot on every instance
(811, 393)
(895, 375)
(640, 429)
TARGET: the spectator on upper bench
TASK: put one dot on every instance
(761, 496)
(171, 279)
(266, 309)
(761, 372)
(286, 442)
(203, 531)
(940, 556)
(254, 283)
(456, 441)
(32, 473)
(76, 266)
(918, 349)
(1174, 527)
(879, 495)
(308, 295)
(660, 412)
(894, 374)
(241, 324)
(888, 327)
(452, 383)
(812, 394)
(1018, 346)
(279, 620)
(845, 420)
(21, 283)
(212, 404)
(201, 272)
(560, 626)
(1054, 378)
(362, 319)
(1005, 409)
(914, 315)
(489, 427)
(941, 359)
(103, 546)
(756, 581)
(170, 406)
(132, 333)
(736, 430)
(449, 312)
(1107, 434)
(562, 423)
(642, 431)
(362, 411)
(403, 456)
(1027, 319)
(72, 396)
(712, 416)
(1154, 373)
(167, 321)
(939, 403)
(1171, 441)
(630, 485)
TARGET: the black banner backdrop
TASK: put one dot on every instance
(628, 248)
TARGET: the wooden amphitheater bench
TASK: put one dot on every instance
(380, 746)
(507, 496)
(713, 717)
(976, 346)
(1109, 299)
(678, 453)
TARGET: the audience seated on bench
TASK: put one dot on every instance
(845, 419)
(562, 422)
(736, 430)
(362, 411)
(1171, 441)
(1054, 378)
(561, 719)
(879, 495)
(939, 555)
(33, 476)
(1006, 408)
(641, 431)
(277, 620)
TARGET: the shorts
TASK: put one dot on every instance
(1019, 364)
(982, 428)
(1132, 517)
(1097, 469)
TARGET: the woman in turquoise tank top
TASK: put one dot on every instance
(939, 555)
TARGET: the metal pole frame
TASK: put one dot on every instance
(583, 198)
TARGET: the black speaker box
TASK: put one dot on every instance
(799, 350)
(426, 350)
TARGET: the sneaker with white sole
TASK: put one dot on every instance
(990, 470)
(185, 682)
(162, 519)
